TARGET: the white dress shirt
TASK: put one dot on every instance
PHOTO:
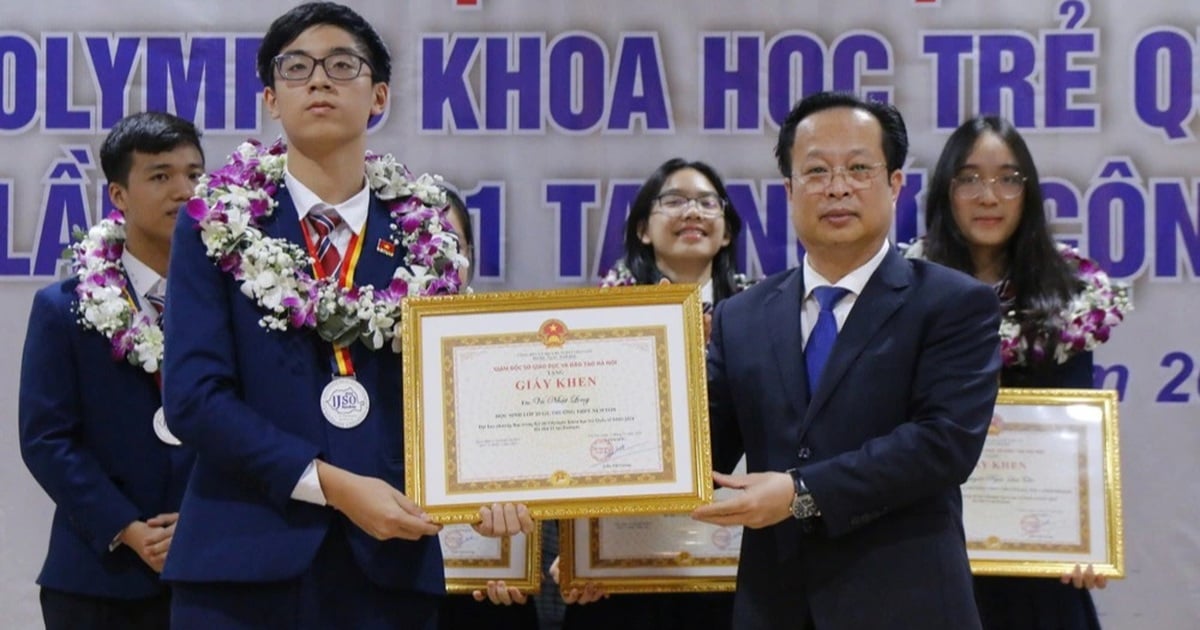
(142, 280)
(854, 281)
(353, 212)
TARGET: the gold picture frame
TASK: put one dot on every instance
(648, 554)
(1046, 493)
(471, 560)
(575, 402)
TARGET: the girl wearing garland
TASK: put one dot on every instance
(681, 228)
(984, 216)
(286, 280)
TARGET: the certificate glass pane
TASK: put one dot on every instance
(575, 402)
(1045, 494)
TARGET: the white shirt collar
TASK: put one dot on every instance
(141, 277)
(353, 211)
(854, 281)
(706, 292)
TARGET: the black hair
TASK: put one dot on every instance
(287, 27)
(458, 207)
(1042, 280)
(639, 256)
(144, 132)
(895, 134)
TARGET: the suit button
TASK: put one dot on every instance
(804, 453)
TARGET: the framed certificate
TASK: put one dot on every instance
(1046, 494)
(576, 402)
(650, 554)
(471, 560)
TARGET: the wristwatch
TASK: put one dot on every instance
(803, 506)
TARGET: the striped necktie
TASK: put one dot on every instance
(157, 297)
(323, 223)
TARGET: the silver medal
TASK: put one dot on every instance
(345, 402)
(160, 429)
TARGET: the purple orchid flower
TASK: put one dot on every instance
(196, 208)
(398, 287)
(230, 262)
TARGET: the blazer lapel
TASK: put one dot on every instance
(782, 313)
(881, 297)
(375, 267)
(284, 221)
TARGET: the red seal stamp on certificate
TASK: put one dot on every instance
(1031, 523)
(722, 537)
(453, 539)
(602, 449)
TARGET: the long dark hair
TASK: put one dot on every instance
(1042, 280)
(639, 256)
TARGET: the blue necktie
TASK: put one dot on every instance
(824, 333)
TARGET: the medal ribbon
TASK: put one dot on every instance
(342, 363)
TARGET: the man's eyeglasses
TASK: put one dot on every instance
(816, 179)
(340, 66)
(708, 206)
(970, 186)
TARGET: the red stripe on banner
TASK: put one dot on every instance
(466, 3)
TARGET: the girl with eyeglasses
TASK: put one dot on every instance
(681, 229)
(984, 216)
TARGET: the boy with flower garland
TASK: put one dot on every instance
(290, 268)
(91, 428)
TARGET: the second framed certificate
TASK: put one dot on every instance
(1046, 493)
(651, 554)
(472, 560)
(578, 402)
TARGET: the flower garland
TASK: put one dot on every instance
(1084, 323)
(621, 276)
(231, 202)
(1088, 320)
(103, 300)
(618, 276)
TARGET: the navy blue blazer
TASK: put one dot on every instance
(86, 425)
(895, 427)
(247, 400)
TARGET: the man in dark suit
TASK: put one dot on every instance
(88, 426)
(293, 517)
(860, 387)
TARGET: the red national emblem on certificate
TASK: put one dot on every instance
(553, 333)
